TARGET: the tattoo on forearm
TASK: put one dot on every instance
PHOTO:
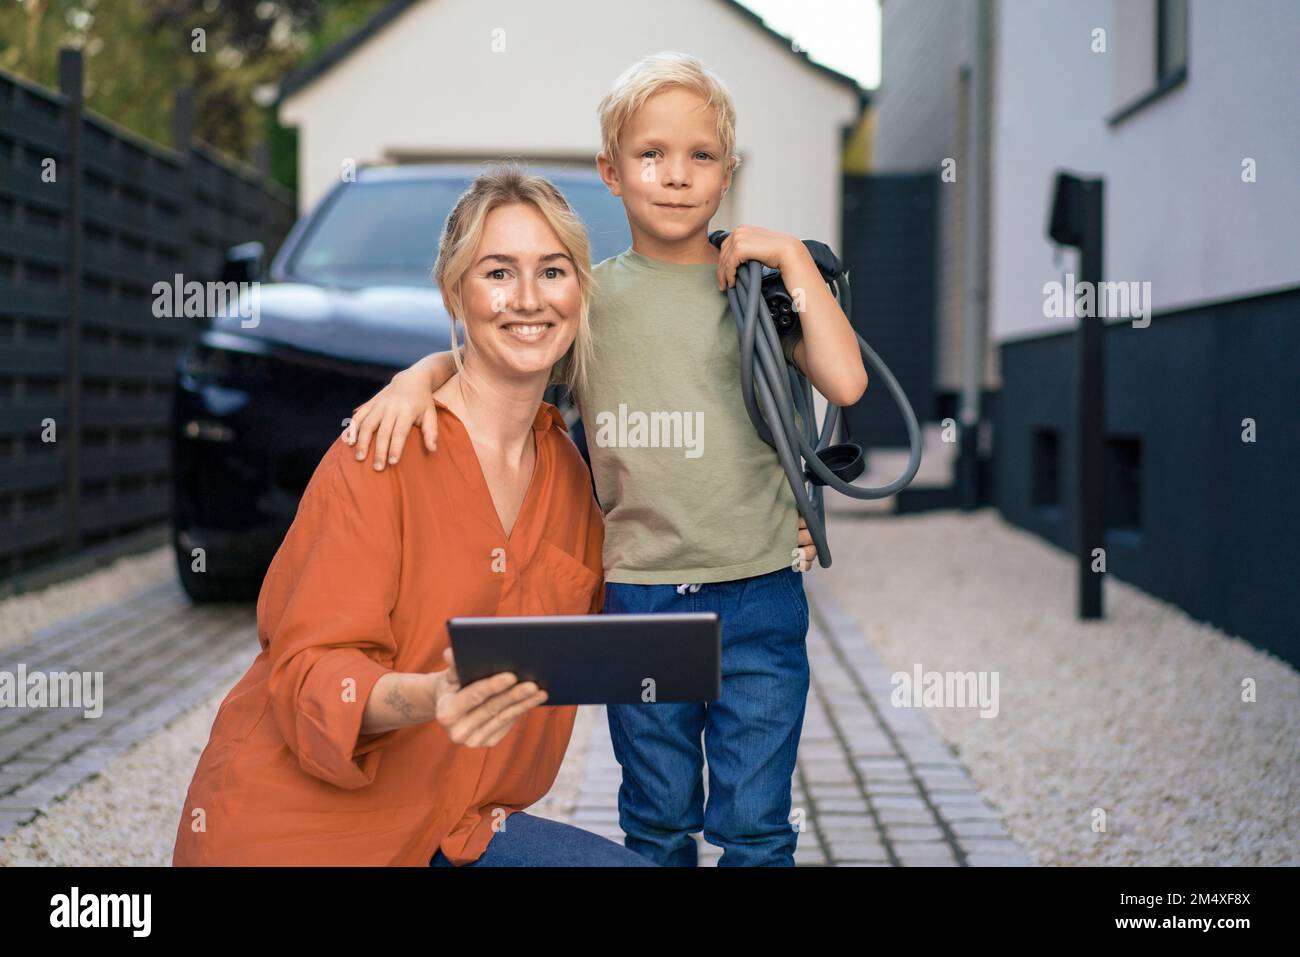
(397, 701)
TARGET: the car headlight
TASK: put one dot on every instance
(207, 360)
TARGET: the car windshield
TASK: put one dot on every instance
(386, 233)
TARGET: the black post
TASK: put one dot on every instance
(262, 159)
(182, 143)
(183, 120)
(1091, 415)
(71, 85)
(1077, 220)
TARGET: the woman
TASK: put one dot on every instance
(351, 740)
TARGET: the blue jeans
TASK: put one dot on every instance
(529, 841)
(751, 733)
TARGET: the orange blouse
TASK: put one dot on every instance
(371, 569)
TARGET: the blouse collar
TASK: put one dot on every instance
(547, 416)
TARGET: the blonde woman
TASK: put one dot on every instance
(351, 740)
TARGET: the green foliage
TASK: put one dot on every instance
(137, 53)
(282, 148)
(128, 70)
(339, 19)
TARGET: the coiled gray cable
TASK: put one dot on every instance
(775, 391)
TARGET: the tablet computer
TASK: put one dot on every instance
(596, 659)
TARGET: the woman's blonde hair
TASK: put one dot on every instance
(654, 74)
(502, 184)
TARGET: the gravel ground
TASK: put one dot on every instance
(1139, 714)
(127, 815)
(22, 616)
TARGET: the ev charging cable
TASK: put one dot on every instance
(775, 391)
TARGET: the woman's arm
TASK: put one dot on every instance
(477, 715)
(323, 616)
(407, 400)
(399, 699)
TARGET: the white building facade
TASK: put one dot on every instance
(458, 80)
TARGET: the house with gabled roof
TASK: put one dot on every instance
(460, 80)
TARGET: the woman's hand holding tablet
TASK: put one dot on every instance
(597, 659)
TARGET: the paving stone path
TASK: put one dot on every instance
(875, 785)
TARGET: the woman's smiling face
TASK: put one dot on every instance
(521, 294)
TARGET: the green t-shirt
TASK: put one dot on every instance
(689, 491)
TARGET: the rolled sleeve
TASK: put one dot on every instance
(330, 702)
(324, 616)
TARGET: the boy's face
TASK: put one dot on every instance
(670, 171)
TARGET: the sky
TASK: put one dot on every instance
(842, 34)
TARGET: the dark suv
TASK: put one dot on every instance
(347, 301)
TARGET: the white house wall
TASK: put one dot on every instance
(429, 84)
(925, 43)
(921, 121)
(1177, 212)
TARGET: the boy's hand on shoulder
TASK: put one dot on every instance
(754, 242)
(388, 417)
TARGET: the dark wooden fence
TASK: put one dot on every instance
(91, 217)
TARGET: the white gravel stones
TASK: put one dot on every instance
(22, 616)
(1138, 715)
(127, 815)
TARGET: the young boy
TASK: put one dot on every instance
(708, 522)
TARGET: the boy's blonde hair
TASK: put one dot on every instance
(502, 184)
(653, 74)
